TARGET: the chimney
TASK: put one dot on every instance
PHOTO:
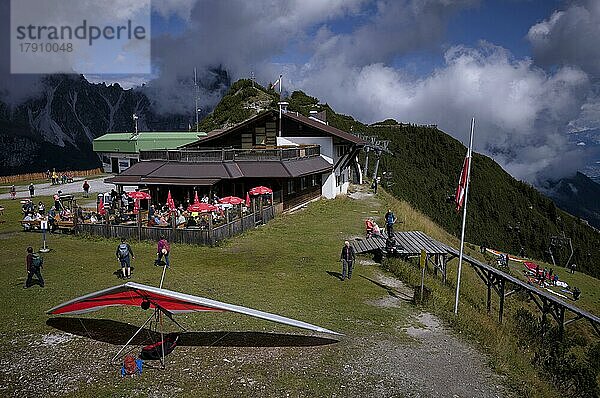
(283, 105)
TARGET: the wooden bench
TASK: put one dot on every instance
(33, 224)
(66, 225)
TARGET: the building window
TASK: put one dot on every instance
(313, 180)
(260, 136)
(246, 140)
(303, 183)
(290, 186)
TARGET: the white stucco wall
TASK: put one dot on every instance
(329, 188)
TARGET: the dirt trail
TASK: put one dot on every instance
(437, 364)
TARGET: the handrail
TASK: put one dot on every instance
(230, 154)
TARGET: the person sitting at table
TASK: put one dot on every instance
(191, 222)
(93, 218)
(28, 217)
(162, 220)
(180, 220)
(203, 223)
(376, 230)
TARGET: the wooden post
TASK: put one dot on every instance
(444, 268)
(423, 264)
(561, 322)
(210, 229)
(489, 291)
(228, 221)
(501, 286)
(139, 224)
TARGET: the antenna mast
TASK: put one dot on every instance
(196, 89)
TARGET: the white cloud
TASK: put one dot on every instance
(521, 111)
(569, 37)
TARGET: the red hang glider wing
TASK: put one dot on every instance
(133, 294)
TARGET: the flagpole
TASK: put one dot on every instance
(464, 220)
(280, 84)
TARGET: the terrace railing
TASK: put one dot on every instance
(230, 154)
(194, 236)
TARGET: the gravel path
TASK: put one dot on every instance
(437, 364)
(97, 184)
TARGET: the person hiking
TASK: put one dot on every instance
(347, 258)
(35, 264)
(86, 189)
(13, 192)
(124, 255)
(31, 189)
(163, 249)
(390, 220)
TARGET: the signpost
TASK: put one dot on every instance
(44, 227)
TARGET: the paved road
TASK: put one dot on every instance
(97, 184)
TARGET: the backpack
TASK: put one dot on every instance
(36, 261)
(123, 250)
(131, 366)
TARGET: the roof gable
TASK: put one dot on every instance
(272, 115)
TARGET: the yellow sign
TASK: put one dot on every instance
(423, 259)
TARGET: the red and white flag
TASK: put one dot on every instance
(459, 197)
(278, 81)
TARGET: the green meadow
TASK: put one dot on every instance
(286, 267)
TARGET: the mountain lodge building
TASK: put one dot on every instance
(301, 160)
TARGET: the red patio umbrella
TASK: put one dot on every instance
(231, 200)
(101, 209)
(196, 200)
(201, 207)
(138, 195)
(260, 190)
(136, 206)
(247, 199)
(170, 201)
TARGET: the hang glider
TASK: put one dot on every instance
(166, 301)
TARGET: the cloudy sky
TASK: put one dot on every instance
(527, 70)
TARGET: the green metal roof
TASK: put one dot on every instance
(145, 140)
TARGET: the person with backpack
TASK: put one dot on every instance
(35, 264)
(124, 255)
(390, 220)
(163, 249)
(86, 189)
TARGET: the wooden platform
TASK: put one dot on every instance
(438, 254)
(408, 243)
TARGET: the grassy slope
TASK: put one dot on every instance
(280, 267)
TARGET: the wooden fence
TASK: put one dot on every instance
(194, 236)
(42, 176)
